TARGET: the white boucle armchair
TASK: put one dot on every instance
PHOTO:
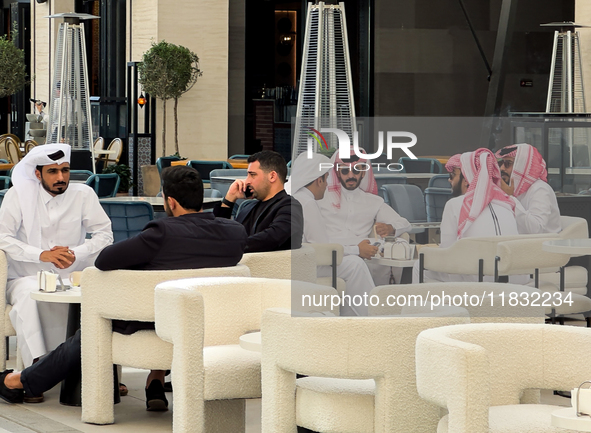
(575, 277)
(361, 373)
(124, 295)
(330, 255)
(477, 256)
(6, 328)
(203, 318)
(478, 372)
(297, 264)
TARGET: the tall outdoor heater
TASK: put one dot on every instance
(566, 94)
(326, 87)
(69, 112)
(565, 89)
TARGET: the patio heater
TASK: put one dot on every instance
(565, 88)
(69, 114)
(566, 92)
(326, 87)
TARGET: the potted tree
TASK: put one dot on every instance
(13, 75)
(166, 72)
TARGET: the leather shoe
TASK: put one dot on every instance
(9, 395)
(34, 399)
(155, 397)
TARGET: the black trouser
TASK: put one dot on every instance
(52, 368)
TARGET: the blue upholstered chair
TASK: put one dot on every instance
(421, 165)
(222, 187)
(205, 167)
(105, 185)
(80, 175)
(127, 218)
(165, 161)
(435, 199)
(211, 193)
(388, 179)
(439, 181)
(4, 182)
(408, 202)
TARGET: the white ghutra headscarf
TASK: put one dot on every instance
(27, 185)
(306, 170)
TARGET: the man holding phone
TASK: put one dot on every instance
(273, 220)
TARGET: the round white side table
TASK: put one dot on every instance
(70, 394)
(567, 418)
(251, 341)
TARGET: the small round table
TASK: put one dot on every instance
(567, 418)
(71, 391)
(575, 247)
(251, 341)
(70, 394)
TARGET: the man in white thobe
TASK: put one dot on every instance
(524, 177)
(479, 208)
(308, 182)
(352, 209)
(43, 226)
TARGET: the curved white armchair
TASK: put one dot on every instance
(329, 255)
(203, 318)
(6, 329)
(361, 373)
(124, 295)
(297, 264)
(478, 372)
(476, 256)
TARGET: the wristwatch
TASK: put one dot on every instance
(227, 203)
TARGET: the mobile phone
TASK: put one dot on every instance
(248, 192)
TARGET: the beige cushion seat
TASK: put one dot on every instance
(231, 372)
(523, 418)
(341, 405)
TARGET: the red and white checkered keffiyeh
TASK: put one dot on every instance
(453, 162)
(528, 167)
(368, 183)
(481, 171)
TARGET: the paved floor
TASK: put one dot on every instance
(130, 414)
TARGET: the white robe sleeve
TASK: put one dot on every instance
(10, 222)
(96, 222)
(449, 225)
(536, 218)
(314, 226)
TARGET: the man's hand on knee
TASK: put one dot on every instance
(61, 257)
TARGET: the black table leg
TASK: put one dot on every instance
(71, 391)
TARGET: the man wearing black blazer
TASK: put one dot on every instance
(274, 221)
(188, 239)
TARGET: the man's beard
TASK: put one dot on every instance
(456, 190)
(351, 186)
(55, 191)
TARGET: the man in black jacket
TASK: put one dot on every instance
(273, 221)
(191, 240)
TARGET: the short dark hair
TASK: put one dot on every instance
(184, 185)
(270, 161)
